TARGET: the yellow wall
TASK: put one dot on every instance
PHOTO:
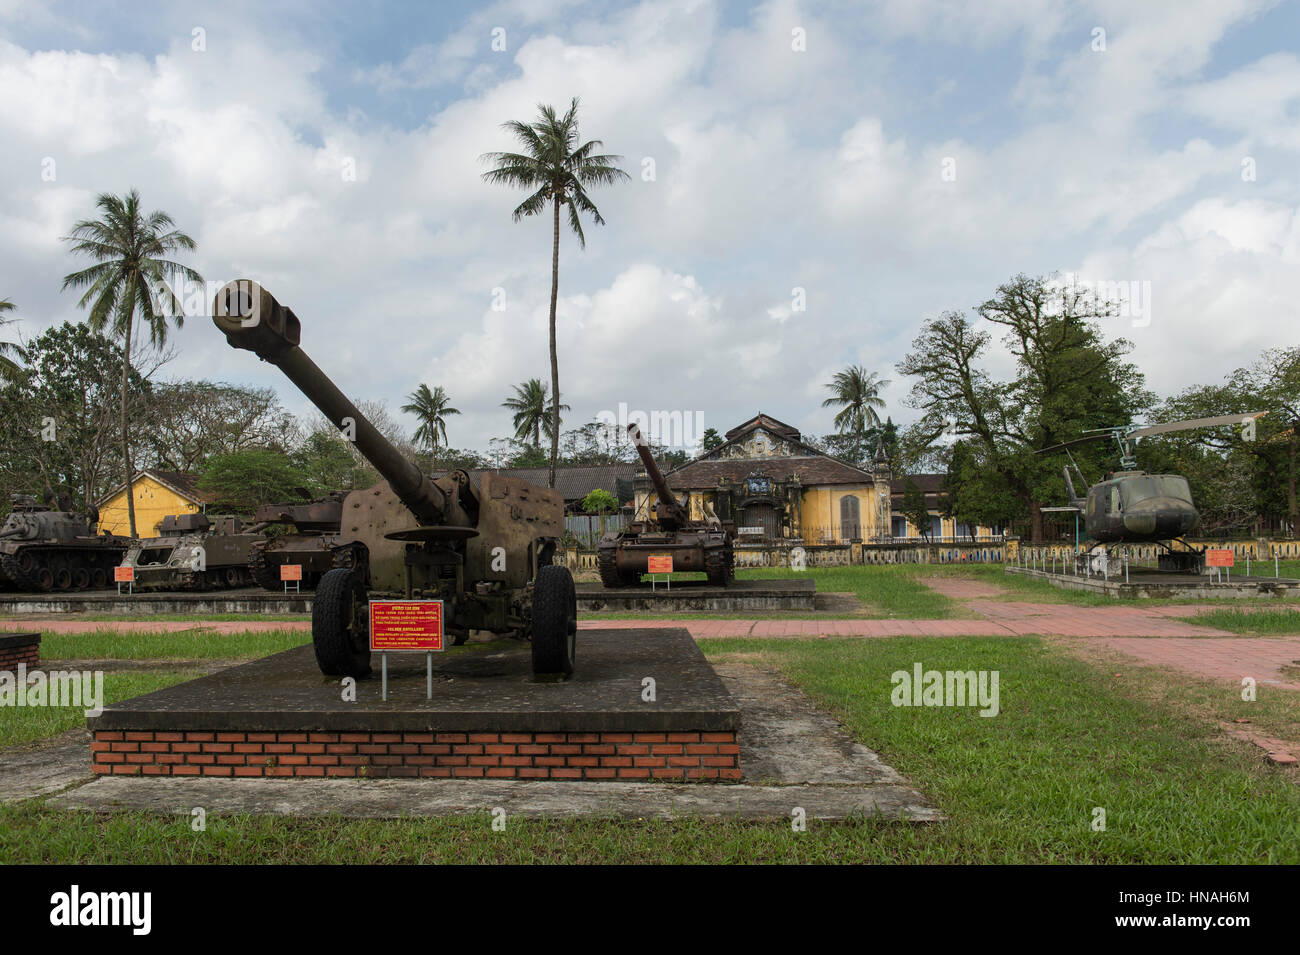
(153, 502)
(821, 509)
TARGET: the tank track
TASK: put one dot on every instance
(720, 567)
(265, 575)
(98, 558)
(607, 564)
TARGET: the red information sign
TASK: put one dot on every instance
(291, 571)
(123, 575)
(1219, 557)
(659, 564)
(397, 625)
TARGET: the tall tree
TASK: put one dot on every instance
(432, 409)
(130, 274)
(559, 171)
(1069, 378)
(532, 411)
(856, 392)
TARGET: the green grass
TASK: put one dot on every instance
(22, 724)
(1019, 787)
(885, 591)
(167, 617)
(109, 644)
(1249, 622)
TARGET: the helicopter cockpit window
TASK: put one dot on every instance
(1163, 485)
(1114, 500)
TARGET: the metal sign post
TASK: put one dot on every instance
(291, 573)
(407, 626)
(660, 564)
(124, 574)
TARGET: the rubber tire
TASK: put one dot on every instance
(336, 646)
(555, 621)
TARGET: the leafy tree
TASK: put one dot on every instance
(189, 421)
(432, 409)
(914, 508)
(242, 481)
(711, 440)
(532, 411)
(1068, 379)
(559, 171)
(599, 502)
(57, 424)
(327, 462)
(857, 394)
(130, 250)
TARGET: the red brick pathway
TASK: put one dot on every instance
(1232, 659)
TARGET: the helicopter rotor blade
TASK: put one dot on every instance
(1073, 442)
(1196, 423)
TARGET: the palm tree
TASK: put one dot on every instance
(532, 411)
(9, 369)
(559, 170)
(857, 394)
(432, 409)
(130, 274)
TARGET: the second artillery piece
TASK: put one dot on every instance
(695, 545)
(484, 551)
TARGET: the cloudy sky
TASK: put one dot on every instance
(890, 159)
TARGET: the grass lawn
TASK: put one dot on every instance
(27, 724)
(1019, 787)
(885, 592)
(1250, 621)
(109, 644)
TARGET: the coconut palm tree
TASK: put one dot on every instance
(130, 274)
(9, 369)
(857, 394)
(559, 171)
(532, 411)
(432, 409)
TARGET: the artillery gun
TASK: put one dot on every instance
(195, 552)
(484, 551)
(695, 545)
(46, 549)
(314, 542)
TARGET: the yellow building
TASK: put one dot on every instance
(156, 494)
(773, 486)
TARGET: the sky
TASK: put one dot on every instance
(809, 183)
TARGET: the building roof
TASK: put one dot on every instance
(573, 483)
(180, 482)
(768, 423)
(810, 469)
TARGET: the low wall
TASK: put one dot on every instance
(20, 648)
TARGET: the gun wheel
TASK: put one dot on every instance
(555, 621)
(339, 632)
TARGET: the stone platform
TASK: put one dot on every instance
(1146, 582)
(243, 600)
(796, 593)
(489, 717)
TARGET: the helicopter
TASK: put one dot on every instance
(1131, 506)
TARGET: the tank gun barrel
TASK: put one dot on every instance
(250, 318)
(669, 507)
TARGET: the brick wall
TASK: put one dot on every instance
(20, 648)
(605, 756)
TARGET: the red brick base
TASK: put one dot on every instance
(605, 756)
(20, 648)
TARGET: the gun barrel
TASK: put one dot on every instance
(250, 318)
(667, 499)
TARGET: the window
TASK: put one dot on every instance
(850, 523)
